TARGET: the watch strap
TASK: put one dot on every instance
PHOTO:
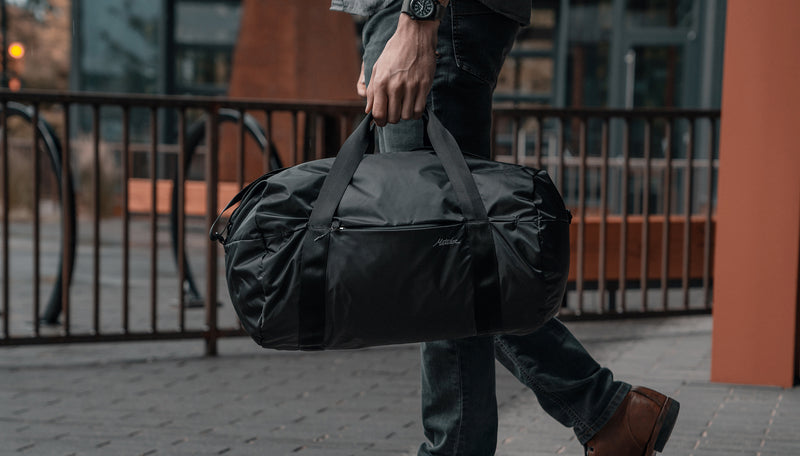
(439, 11)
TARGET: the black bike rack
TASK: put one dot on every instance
(194, 136)
(51, 143)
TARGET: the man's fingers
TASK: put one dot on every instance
(390, 104)
(370, 98)
(419, 104)
(394, 102)
(409, 100)
(361, 85)
(361, 88)
(379, 107)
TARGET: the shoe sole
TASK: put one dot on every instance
(663, 427)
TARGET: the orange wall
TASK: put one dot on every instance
(758, 218)
(140, 193)
(289, 50)
(295, 50)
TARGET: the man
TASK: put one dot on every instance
(447, 55)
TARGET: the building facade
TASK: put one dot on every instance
(575, 53)
(600, 53)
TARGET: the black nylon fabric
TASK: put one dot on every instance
(399, 261)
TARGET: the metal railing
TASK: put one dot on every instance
(130, 274)
(665, 183)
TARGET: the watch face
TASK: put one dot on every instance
(422, 8)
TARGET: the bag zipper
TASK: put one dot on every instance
(423, 226)
(337, 226)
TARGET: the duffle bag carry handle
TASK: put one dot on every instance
(362, 141)
(311, 308)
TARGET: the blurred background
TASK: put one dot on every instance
(127, 125)
(618, 99)
(150, 115)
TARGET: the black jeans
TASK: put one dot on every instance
(459, 407)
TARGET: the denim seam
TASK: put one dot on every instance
(531, 384)
(603, 418)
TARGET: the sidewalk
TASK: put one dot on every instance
(167, 399)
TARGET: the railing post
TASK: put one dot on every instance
(296, 150)
(126, 219)
(37, 177)
(623, 227)
(212, 165)
(687, 207)
(181, 203)
(96, 218)
(153, 218)
(581, 241)
(667, 198)
(707, 253)
(67, 227)
(268, 134)
(601, 263)
(6, 201)
(645, 264)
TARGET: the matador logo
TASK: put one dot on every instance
(442, 242)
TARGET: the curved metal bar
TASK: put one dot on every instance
(195, 135)
(53, 147)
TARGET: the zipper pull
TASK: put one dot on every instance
(336, 225)
(220, 237)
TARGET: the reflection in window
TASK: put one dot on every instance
(658, 81)
(529, 71)
(119, 45)
(207, 22)
(587, 75)
(118, 51)
(659, 13)
(202, 69)
(205, 37)
(590, 25)
(590, 20)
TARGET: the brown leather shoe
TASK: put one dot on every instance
(641, 426)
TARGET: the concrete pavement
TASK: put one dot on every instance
(166, 398)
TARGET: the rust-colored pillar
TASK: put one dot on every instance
(290, 50)
(756, 289)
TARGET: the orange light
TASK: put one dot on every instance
(16, 50)
(14, 84)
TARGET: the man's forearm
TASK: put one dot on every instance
(403, 74)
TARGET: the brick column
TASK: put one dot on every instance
(755, 337)
(289, 50)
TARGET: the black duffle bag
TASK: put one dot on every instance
(373, 249)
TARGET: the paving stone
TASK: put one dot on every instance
(166, 398)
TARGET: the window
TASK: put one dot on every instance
(119, 45)
(204, 39)
(659, 13)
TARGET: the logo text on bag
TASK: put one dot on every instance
(442, 242)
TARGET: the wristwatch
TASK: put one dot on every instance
(423, 10)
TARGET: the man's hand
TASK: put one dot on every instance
(361, 85)
(403, 74)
